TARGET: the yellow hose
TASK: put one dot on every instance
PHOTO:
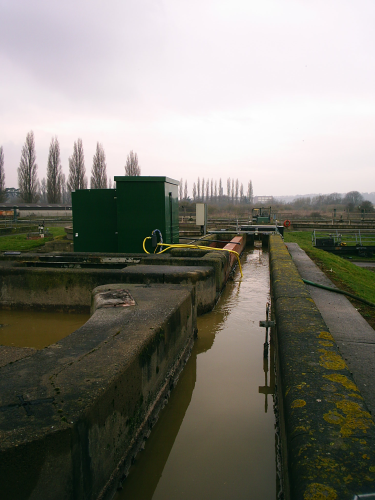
(200, 247)
(144, 243)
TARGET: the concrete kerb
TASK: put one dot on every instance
(328, 435)
(97, 394)
(48, 288)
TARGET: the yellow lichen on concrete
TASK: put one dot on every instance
(328, 464)
(355, 418)
(333, 417)
(358, 396)
(343, 380)
(331, 360)
(298, 403)
(301, 385)
(326, 335)
(326, 343)
(317, 491)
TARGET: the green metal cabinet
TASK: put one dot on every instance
(145, 204)
(118, 220)
(94, 220)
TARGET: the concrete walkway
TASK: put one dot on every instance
(369, 265)
(353, 335)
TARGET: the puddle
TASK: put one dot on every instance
(37, 329)
(216, 438)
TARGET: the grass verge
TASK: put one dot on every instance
(20, 243)
(343, 273)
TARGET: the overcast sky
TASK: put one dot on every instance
(281, 92)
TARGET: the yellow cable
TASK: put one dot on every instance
(144, 242)
(200, 247)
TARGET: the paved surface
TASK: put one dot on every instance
(353, 335)
(365, 264)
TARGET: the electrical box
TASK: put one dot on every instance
(94, 220)
(201, 214)
(120, 223)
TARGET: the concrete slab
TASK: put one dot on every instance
(354, 336)
(9, 354)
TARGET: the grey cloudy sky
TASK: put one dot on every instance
(277, 91)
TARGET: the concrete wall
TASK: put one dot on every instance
(328, 434)
(95, 395)
(70, 287)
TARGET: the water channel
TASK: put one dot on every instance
(216, 437)
(37, 329)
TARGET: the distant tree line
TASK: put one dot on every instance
(56, 188)
(351, 202)
(212, 191)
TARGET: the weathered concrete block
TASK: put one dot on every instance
(73, 414)
(54, 288)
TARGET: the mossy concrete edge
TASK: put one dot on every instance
(328, 432)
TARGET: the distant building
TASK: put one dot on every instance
(261, 200)
(12, 194)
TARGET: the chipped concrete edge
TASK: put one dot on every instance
(328, 434)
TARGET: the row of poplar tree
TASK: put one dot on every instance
(56, 189)
(210, 190)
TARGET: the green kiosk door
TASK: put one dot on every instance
(145, 204)
(94, 220)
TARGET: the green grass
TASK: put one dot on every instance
(20, 243)
(342, 272)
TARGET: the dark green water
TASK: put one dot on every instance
(215, 439)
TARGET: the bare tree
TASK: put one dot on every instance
(352, 200)
(207, 190)
(250, 192)
(99, 169)
(241, 192)
(203, 189)
(199, 189)
(65, 195)
(232, 190)
(43, 191)
(212, 189)
(110, 183)
(2, 176)
(181, 188)
(236, 192)
(54, 173)
(228, 187)
(220, 188)
(215, 192)
(132, 168)
(194, 191)
(185, 191)
(77, 170)
(27, 171)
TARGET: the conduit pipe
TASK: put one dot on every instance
(337, 290)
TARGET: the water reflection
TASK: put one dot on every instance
(215, 438)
